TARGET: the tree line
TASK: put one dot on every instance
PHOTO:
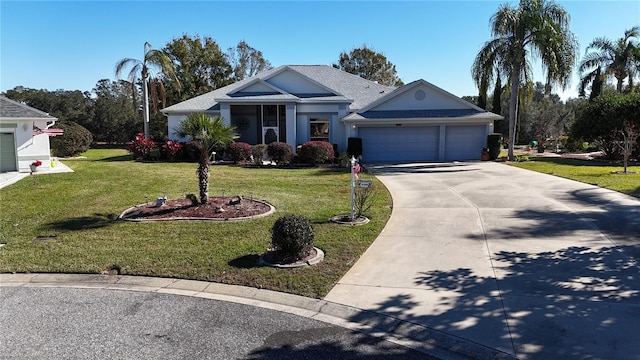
(184, 68)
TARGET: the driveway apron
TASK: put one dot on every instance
(533, 265)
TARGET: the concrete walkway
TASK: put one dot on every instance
(535, 266)
(12, 177)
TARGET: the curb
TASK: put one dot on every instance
(414, 336)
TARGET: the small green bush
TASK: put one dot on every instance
(239, 151)
(493, 143)
(75, 140)
(292, 235)
(316, 152)
(259, 153)
(280, 152)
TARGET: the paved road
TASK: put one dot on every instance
(535, 266)
(76, 323)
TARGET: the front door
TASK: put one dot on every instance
(270, 124)
(269, 134)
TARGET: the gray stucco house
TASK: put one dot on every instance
(297, 103)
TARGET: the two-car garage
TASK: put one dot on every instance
(405, 143)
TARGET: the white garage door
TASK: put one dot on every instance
(465, 142)
(399, 143)
(7, 152)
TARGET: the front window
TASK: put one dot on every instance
(319, 129)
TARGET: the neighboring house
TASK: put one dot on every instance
(24, 136)
(298, 103)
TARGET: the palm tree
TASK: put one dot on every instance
(208, 133)
(151, 70)
(611, 58)
(535, 27)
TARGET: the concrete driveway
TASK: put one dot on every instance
(535, 266)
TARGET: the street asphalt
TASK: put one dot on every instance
(479, 260)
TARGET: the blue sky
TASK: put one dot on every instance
(71, 45)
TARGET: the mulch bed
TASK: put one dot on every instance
(184, 209)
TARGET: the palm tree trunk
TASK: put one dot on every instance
(145, 101)
(203, 177)
(513, 107)
(619, 85)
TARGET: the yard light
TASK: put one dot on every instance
(353, 185)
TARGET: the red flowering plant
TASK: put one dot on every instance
(172, 149)
(142, 146)
(36, 163)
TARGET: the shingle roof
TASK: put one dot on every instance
(347, 87)
(15, 110)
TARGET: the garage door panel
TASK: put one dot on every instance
(400, 143)
(464, 142)
(7, 152)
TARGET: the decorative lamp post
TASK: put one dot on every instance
(353, 185)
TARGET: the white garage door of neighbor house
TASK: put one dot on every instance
(399, 143)
(7, 152)
(465, 142)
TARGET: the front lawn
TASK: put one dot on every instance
(67, 223)
(586, 171)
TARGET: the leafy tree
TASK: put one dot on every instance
(208, 133)
(539, 27)
(200, 66)
(65, 105)
(370, 65)
(246, 61)
(603, 117)
(617, 59)
(115, 116)
(150, 71)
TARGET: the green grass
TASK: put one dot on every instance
(589, 172)
(81, 208)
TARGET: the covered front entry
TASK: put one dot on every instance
(400, 143)
(7, 152)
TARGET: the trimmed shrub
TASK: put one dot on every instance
(354, 146)
(190, 151)
(239, 151)
(280, 152)
(171, 150)
(259, 153)
(292, 235)
(75, 140)
(316, 152)
(142, 148)
(493, 143)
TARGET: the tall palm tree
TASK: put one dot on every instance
(611, 58)
(150, 71)
(535, 28)
(208, 133)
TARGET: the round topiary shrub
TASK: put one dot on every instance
(280, 152)
(239, 151)
(75, 140)
(292, 236)
(316, 152)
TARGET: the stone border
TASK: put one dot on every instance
(358, 221)
(271, 211)
(310, 262)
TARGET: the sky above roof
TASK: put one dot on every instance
(71, 45)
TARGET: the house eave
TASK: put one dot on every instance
(434, 120)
